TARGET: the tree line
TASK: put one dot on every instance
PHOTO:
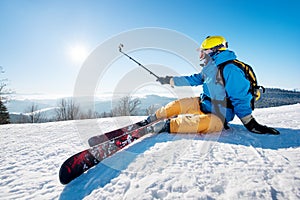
(4, 115)
(69, 109)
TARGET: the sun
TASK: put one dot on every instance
(78, 53)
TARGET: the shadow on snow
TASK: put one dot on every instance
(112, 167)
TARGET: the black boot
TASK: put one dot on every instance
(159, 127)
(150, 119)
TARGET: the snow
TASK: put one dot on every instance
(234, 164)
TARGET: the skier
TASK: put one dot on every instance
(219, 102)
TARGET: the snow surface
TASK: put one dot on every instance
(235, 164)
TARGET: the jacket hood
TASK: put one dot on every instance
(224, 56)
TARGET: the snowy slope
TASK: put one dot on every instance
(235, 164)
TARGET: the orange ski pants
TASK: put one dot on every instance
(195, 122)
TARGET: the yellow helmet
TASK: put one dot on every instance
(214, 42)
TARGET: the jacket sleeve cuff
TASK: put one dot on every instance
(247, 119)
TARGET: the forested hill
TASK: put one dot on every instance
(277, 97)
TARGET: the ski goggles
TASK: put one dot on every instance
(203, 53)
(213, 50)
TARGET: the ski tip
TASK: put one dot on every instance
(71, 168)
(76, 165)
(64, 176)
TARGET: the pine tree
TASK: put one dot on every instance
(4, 116)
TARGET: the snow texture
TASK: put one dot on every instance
(234, 164)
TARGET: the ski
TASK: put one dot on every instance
(79, 163)
(113, 134)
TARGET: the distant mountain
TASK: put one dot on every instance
(18, 108)
(22, 106)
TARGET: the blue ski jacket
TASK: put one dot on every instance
(236, 87)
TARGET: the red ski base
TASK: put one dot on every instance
(82, 161)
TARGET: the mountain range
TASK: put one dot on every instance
(19, 108)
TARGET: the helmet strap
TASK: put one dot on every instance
(216, 48)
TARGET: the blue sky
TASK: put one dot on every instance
(37, 37)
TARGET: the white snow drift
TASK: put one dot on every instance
(234, 164)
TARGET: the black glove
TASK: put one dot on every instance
(255, 127)
(164, 80)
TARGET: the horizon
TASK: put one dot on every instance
(108, 96)
(22, 103)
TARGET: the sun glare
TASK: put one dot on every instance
(78, 53)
